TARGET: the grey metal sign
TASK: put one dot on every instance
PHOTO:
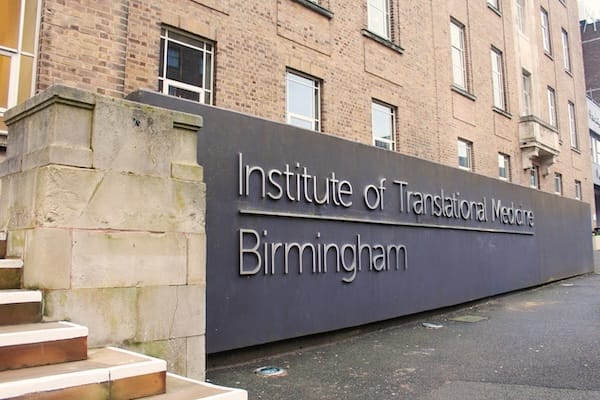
(308, 233)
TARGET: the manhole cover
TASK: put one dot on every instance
(270, 371)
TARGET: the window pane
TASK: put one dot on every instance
(551, 107)
(184, 94)
(497, 79)
(208, 72)
(29, 26)
(458, 55)
(383, 125)
(25, 79)
(521, 16)
(573, 126)
(464, 154)
(566, 55)
(185, 64)
(9, 23)
(302, 123)
(545, 31)
(378, 17)
(533, 177)
(300, 96)
(526, 94)
(4, 80)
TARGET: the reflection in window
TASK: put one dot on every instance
(303, 101)
(383, 120)
(379, 18)
(186, 65)
(464, 154)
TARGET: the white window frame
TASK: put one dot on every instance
(558, 185)
(545, 24)
(595, 149)
(465, 151)
(534, 177)
(379, 11)
(498, 92)
(13, 78)
(521, 16)
(390, 112)
(578, 190)
(459, 56)
(573, 126)
(526, 92)
(495, 4)
(300, 78)
(552, 115)
(16, 54)
(504, 164)
(566, 50)
(203, 92)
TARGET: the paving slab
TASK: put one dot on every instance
(541, 343)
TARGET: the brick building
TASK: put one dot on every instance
(590, 41)
(491, 86)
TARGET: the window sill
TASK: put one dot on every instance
(316, 8)
(463, 92)
(387, 43)
(569, 73)
(576, 150)
(495, 10)
(549, 55)
(502, 112)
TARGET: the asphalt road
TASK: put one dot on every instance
(542, 343)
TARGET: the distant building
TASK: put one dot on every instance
(594, 124)
(590, 41)
(493, 87)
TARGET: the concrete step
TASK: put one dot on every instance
(180, 388)
(107, 374)
(11, 272)
(32, 345)
(20, 306)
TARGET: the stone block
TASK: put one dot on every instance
(15, 244)
(15, 145)
(173, 351)
(124, 259)
(187, 172)
(135, 138)
(59, 124)
(48, 259)
(167, 312)
(17, 200)
(196, 259)
(196, 361)
(60, 155)
(91, 199)
(109, 314)
(64, 194)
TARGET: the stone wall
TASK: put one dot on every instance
(105, 202)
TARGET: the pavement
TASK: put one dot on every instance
(540, 343)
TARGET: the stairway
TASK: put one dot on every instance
(50, 360)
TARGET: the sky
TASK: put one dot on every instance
(589, 9)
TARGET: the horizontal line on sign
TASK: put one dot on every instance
(246, 211)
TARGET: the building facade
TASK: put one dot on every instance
(594, 125)
(491, 86)
(590, 41)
